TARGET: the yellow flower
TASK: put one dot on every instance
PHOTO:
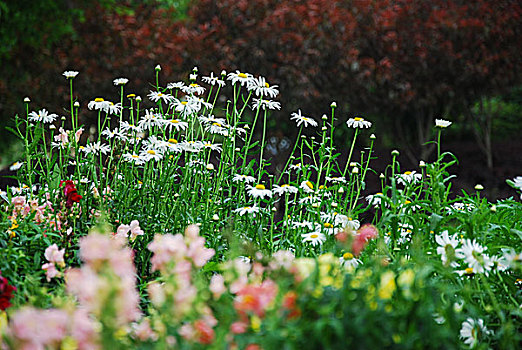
(255, 323)
(387, 286)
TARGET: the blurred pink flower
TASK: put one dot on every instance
(256, 298)
(50, 271)
(217, 286)
(166, 248)
(55, 255)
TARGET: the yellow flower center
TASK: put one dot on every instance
(208, 144)
(310, 185)
(98, 99)
(468, 270)
(285, 185)
(175, 121)
(407, 202)
(358, 119)
(160, 94)
(407, 173)
(131, 95)
(328, 225)
(135, 156)
(314, 236)
(260, 187)
(246, 208)
(174, 141)
(183, 102)
(194, 85)
(267, 85)
(140, 183)
(242, 75)
(217, 124)
(150, 151)
(322, 187)
(347, 256)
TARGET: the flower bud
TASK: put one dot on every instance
(27, 100)
(333, 104)
(158, 68)
(395, 153)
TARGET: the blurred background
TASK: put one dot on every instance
(400, 64)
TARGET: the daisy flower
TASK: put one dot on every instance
(114, 108)
(517, 182)
(336, 179)
(409, 177)
(177, 85)
(191, 146)
(305, 224)
(150, 119)
(374, 199)
(456, 207)
(175, 123)
(511, 257)
(126, 127)
(262, 88)
(133, 158)
(472, 330)
(448, 248)
(258, 191)
(193, 89)
(358, 122)
(264, 104)
(120, 81)
(473, 254)
(186, 108)
(309, 200)
(441, 123)
(99, 104)
(212, 146)
(211, 119)
(42, 116)
(217, 128)
(242, 78)
(151, 154)
(254, 209)
(348, 260)
(300, 119)
(243, 178)
(212, 80)
(96, 148)
(307, 186)
(108, 133)
(315, 238)
(70, 74)
(296, 167)
(280, 190)
(156, 96)
(15, 166)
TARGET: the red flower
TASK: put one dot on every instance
(6, 293)
(70, 192)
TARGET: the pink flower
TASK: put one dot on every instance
(135, 230)
(143, 331)
(83, 330)
(217, 286)
(256, 297)
(50, 271)
(166, 248)
(54, 255)
(38, 329)
(238, 327)
(196, 247)
(364, 234)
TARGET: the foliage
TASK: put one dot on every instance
(267, 259)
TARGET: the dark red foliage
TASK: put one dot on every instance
(6, 292)
(70, 192)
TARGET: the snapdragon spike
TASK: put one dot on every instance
(71, 193)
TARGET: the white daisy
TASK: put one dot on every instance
(300, 119)
(173, 146)
(212, 146)
(177, 85)
(262, 88)
(70, 74)
(448, 248)
(242, 78)
(175, 123)
(211, 119)
(151, 154)
(212, 80)
(472, 331)
(254, 209)
(280, 190)
(156, 96)
(186, 108)
(307, 186)
(358, 122)
(133, 158)
(99, 104)
(374, 199)
(264, 104)
(315, 238)
(441, 123)
(120, 81)
(258, 191)
(305, 224)
(517, 182)
(96, 148)
(473, 255)
(193, 89)
(108, 133)
(42, 116)
(512, 257)
(126, 127)
(114, 108)
(336, 179)
(296, 167)
(191, 146)
(348, 260)
(309, 199)
(150, 119)
(15, 166)
(460, 207)
(217, 128)
(243, 178)
(409, 177)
